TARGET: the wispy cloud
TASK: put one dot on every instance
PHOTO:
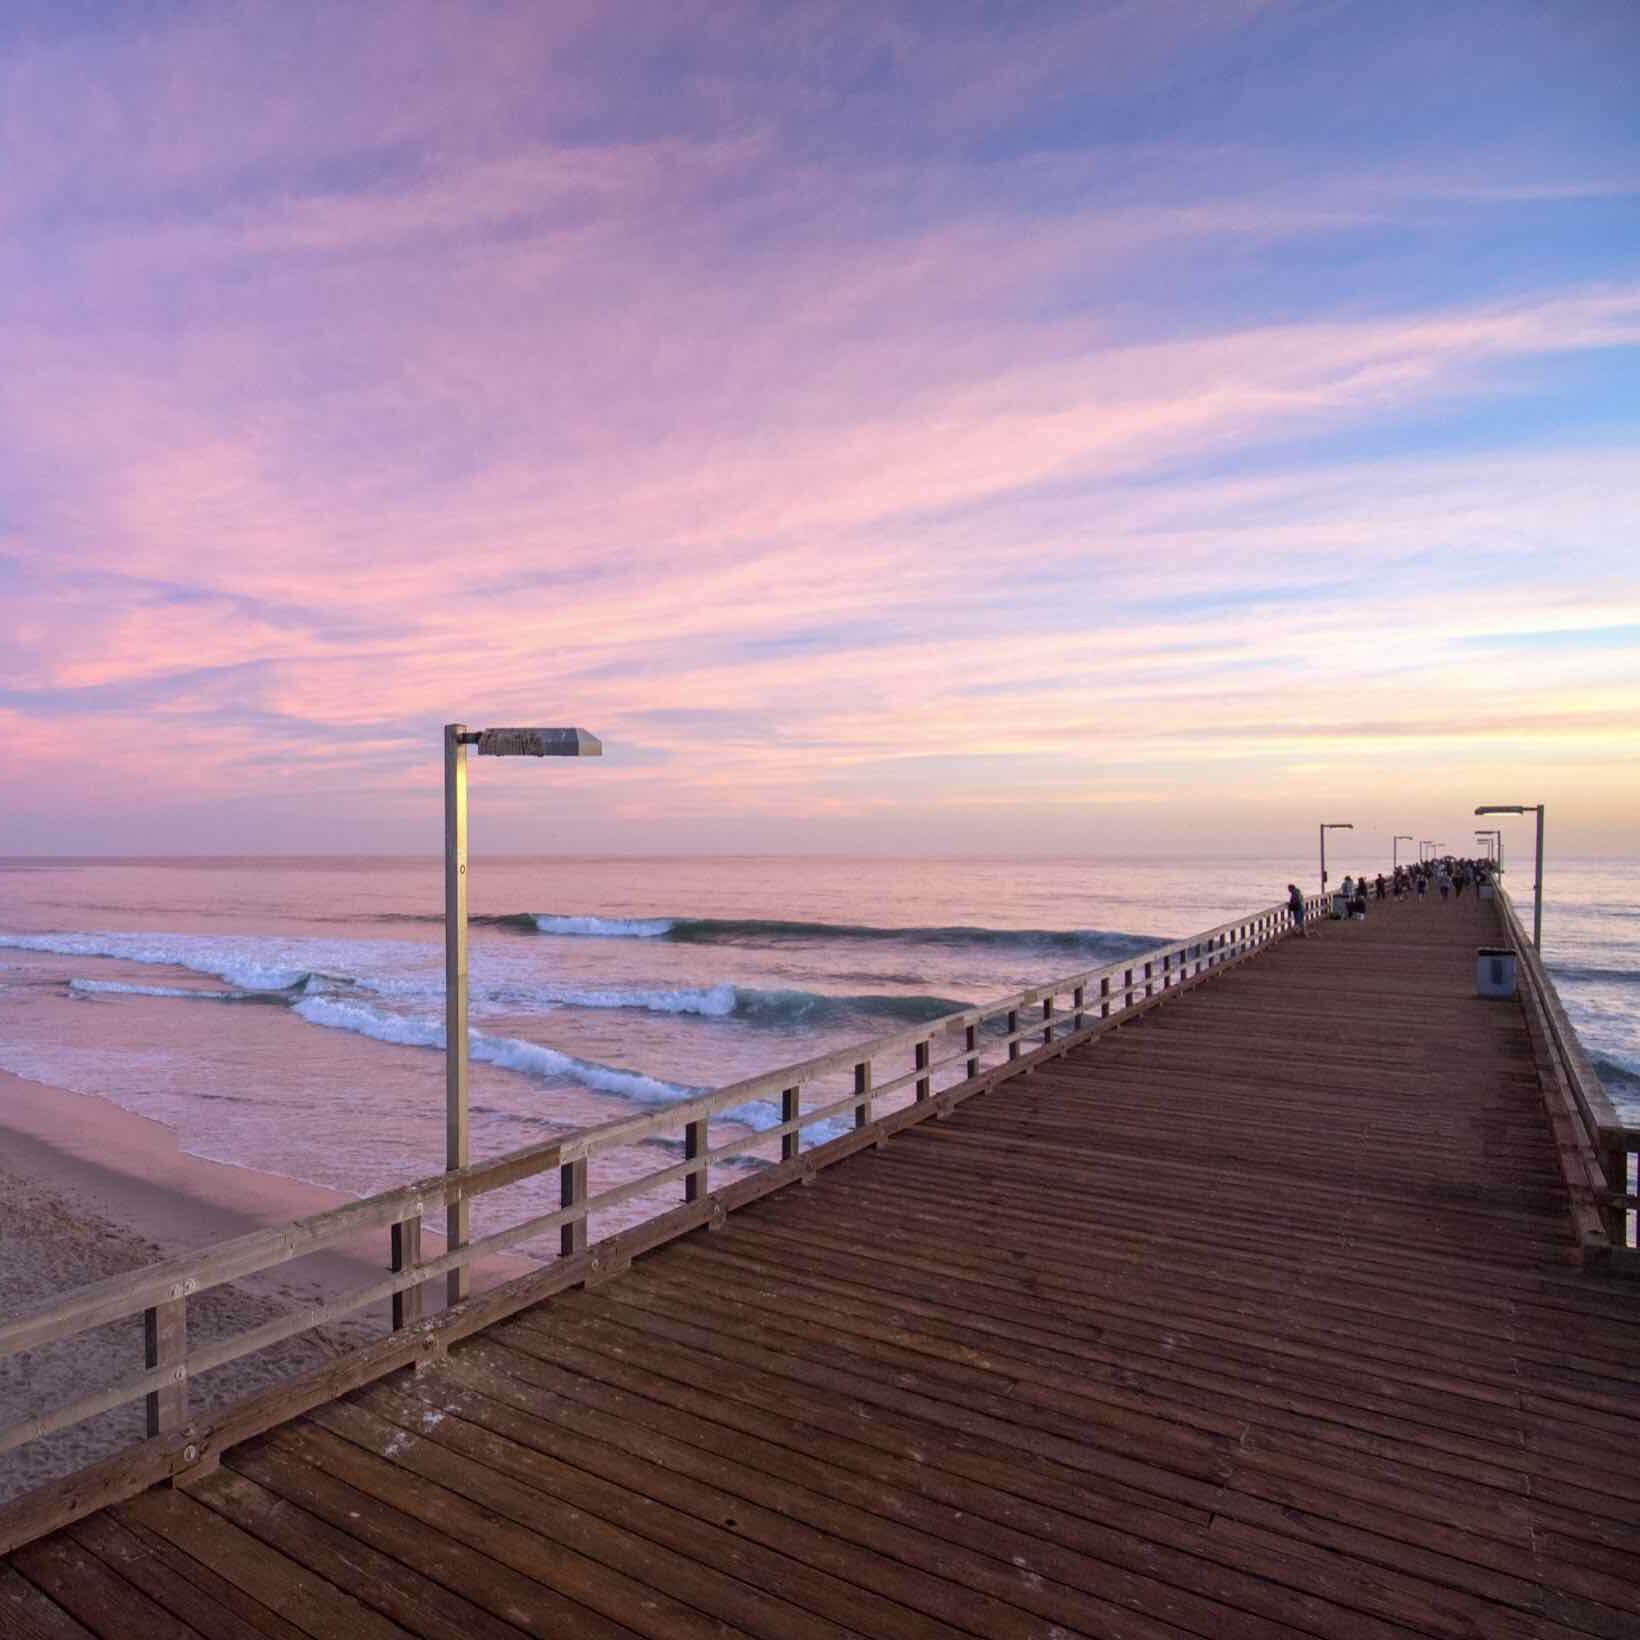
(838, 415)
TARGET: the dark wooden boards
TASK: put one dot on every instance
(1259, 1318)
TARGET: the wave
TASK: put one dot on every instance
(115, 987)
(216, 958)
(769, 1008)
(1618, 1073)
(764, 931)
(509, 1053)
(1591, 975)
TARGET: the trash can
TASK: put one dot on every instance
(1494, 971)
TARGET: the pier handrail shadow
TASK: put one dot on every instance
(993, 1042)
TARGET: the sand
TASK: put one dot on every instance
(88, 1190)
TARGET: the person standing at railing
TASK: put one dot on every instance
(1295, 904)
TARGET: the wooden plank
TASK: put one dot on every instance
(441, 1591)
(930, 1562)
(317, 1607)
(132, 1559)
(337, 1524)
(559, 1562)
(91, 1591)
(837, 1567)
(27, 1614)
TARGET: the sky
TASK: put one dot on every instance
(968, 427)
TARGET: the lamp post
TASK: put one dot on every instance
(1395, 849)
(1425, 843)
(1331, 825)
(1537, 887)
(1494, 845)
(490, 743)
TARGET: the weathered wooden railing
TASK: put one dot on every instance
(1593, 1142)
(1024, 1029)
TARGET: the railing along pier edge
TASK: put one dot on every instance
(1592, 1142)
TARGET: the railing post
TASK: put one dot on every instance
(406, 1255)
(572, 1192)
(1013, 1033)
(1104, 997)
(1614, 1163)
(924, 1083)
(1079, 998)
(862, 1085)
(1150, 990)
(1127, 988)
(1047, 1020)
(790, 1110)
(694, 1147)
(165, 1345)
(970, 1040)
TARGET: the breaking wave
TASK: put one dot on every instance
(254, 978)
(509, 1053)
(763, 931)
(115, 987)
(1588, 975)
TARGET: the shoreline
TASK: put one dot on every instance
(89, 1190)
(132, 1172)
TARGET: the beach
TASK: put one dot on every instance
(88, 1190)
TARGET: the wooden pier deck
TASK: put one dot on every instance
(1259, 1317)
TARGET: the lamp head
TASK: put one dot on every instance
(1502, 808)
(537, 743)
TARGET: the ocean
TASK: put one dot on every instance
(285, 1014)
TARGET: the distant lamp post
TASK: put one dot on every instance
(1395, 848)
(490, 743)
(1494, 846)
(1422, 857)
(1537, 887)
(1332, 825)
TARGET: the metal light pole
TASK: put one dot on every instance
(1537, 887)
(1332, 825)
(1425, 843)
(1395, 849)
(490, 743)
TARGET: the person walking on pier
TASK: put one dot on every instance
(1295, 904)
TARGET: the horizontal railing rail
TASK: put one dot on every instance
(1596, 1145)
(947, 1064)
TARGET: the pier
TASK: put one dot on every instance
(1258, 1287)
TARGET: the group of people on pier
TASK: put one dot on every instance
(1447, 877)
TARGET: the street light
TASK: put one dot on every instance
(1395, 848)
(1337, 825)
(1537, 887)
(490, 743)
(1494, 845)
(1425, 843)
